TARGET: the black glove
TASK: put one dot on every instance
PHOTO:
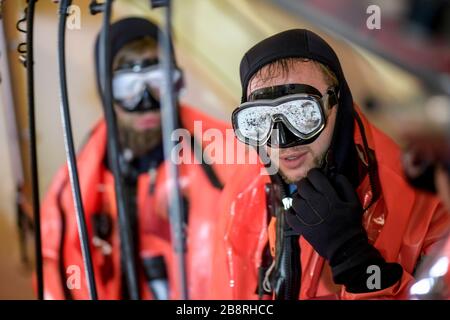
(329, 216)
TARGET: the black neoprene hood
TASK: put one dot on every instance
(125, 31)
(131, 29)
(296, 43)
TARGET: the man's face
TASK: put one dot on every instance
(139, 131)
(138, 121)
(295, 162)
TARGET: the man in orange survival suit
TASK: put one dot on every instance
(136, 81)
(341, 221)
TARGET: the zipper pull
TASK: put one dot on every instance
(287, 203)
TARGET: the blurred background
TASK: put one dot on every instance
(392, 70)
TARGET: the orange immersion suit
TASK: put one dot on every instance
(200, 188)
(403, 224)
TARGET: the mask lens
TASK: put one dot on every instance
(128, 89)
(129, 85)
(303, 115)
(254, 123)
(155, 81)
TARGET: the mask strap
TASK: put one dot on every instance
(275, 92)
(331, 97)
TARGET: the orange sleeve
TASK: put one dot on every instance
(51, 228)
(437, 232)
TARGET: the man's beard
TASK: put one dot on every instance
(138, 142)
(317, 163)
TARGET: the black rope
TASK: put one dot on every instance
(70, 152)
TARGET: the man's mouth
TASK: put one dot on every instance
(293, 160)
(148, 121)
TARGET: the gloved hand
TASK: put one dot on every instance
(328, 215)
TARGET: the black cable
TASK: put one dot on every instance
(33, 151)
(169, 120)
(127, 252)
(27, 58)
(70, 152)
(287, 272)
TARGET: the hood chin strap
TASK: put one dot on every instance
(372, 166)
